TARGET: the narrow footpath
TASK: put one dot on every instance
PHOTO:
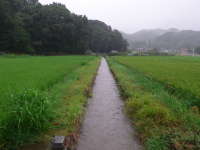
(105, 126)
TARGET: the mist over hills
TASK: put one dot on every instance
(159, 38)
(144, 35)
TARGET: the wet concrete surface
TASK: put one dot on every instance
(105, 126)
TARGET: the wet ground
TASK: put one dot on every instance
(37, 146)
(105, 126)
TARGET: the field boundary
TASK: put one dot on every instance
(162, 121)
(80, 91)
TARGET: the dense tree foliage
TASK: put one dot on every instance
(140, 44)
(197, 50)
(172, 40)
(29, 27)
(103, 39)
(13, 36)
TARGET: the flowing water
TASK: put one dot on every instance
(105, 126)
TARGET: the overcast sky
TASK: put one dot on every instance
(131, 16)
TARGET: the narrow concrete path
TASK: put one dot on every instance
(104, 126)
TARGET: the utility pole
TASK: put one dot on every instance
(149, 46)
(149, 43)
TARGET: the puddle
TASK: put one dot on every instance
(104, 125)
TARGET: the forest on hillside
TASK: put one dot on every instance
(167, 39)
(33, 28)
(176, 41)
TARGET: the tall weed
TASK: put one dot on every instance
(29, 102)
(27, 113)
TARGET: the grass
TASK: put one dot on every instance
(181, 73)
(36, 72)
(75, 89)
(163, 120)
(42, 95)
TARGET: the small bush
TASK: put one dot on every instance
(10, 56)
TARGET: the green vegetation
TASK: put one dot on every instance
(163, 120)
(197, 50)
(181, 73)
(35, 73)
(178, 40)
(42, 94)
(29, 27)
(154, 53)
(104, 39)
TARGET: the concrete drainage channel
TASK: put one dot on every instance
(104, 125)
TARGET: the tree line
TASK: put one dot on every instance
(30, 27)
(178, 40)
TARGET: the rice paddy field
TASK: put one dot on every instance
(182, 73)
(33, 89)
(161, 97)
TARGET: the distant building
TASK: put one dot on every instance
(176, 51)
(88, 52)
(149, 49)
(114, 51)
(170, 50)
(5, 52)
(187, 51)
(133, 52)
(139, 49)
(166, 51)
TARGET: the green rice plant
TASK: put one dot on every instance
(72, 96)
(162, 119)
(29, 100)
(36, 73)
(179, 74)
